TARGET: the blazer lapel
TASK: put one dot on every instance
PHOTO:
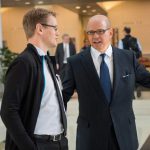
(91, 72)
(117, 70)
(62, 50)
(33, 50)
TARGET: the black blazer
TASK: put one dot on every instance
(60, 53)
(96, 116)
(21, 101)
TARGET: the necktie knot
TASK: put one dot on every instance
(44, 57)
(47, 58)
(103, 56)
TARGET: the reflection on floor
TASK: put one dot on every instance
(2, 146)
(146, 145)
(141, 109)
(142, 114)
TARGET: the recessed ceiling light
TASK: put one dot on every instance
(40, 2)
(84, 11)
(27, 3)
(94, 10)
(77, 7)
(88, 6)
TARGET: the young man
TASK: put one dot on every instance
(32, 108)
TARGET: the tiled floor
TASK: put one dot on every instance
(2, 146)
(146, 145)
(142, 113)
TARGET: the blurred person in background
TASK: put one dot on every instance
(86, 44)
(130, 43)
(63, 51)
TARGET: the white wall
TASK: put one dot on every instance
(68, 22)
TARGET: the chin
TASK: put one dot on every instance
(98, 48)
(53, 44)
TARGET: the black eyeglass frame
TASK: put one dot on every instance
(48, 25)
(99, 31)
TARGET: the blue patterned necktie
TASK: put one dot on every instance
(105, 78)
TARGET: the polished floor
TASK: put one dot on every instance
(141, 109)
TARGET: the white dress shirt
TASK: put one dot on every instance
(49, 118)
(108, 60)
(66, 52)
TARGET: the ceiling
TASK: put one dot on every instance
(82, 7)
(14, 3)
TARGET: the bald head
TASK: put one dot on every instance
(99, 32)
(99, 19)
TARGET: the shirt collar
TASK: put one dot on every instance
(65, 43)
(40, 51)
(95, 53)
(109, 51)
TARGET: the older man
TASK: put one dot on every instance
(104, 78)
(32, 106)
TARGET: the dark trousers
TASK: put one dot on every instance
(83, 140)
(113, 144)
(52, 145)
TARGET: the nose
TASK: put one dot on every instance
(96, 35)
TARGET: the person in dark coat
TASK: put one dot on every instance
(104, 78)
(32, 108)
(130, 43)
(86, 45)
(63, 51)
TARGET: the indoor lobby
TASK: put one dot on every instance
(72, 17)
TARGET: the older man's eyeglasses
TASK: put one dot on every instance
(99, 31)
(48, 25)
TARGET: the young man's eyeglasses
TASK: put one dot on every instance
(99, 31)
(47, 25)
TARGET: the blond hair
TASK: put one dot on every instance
(34, 16)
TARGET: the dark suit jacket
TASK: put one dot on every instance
(96, 116)
(60, 53)
(22, 97)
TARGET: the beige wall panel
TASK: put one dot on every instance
(13, 32)
(68, 21)
(136, 16)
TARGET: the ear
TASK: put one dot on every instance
(39, 28)
(111, 32)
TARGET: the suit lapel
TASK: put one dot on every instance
(70, 50)
(62, 49)
(117, 70)
(91, 72)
